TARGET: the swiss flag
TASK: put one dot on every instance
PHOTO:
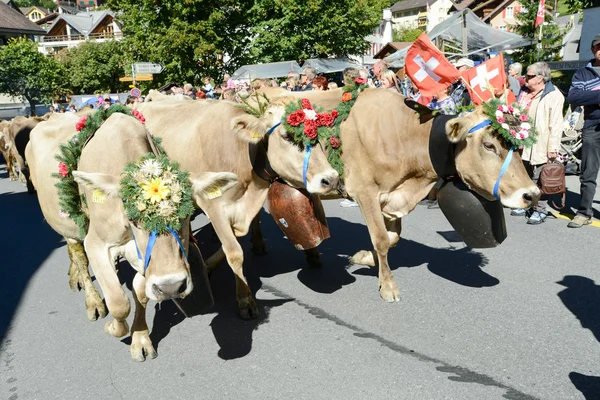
(427, 67)
(477, 78)
(541, 13)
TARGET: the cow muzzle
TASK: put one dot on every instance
(172, 286)
(522, 198)
(323, 183)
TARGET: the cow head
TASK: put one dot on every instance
(479, 158)
(168, 273)
(285, 156)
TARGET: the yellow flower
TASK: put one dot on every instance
(155, 190)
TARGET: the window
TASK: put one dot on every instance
(502, 28)
(509, 12)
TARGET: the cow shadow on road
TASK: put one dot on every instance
(26, 241)
(589, 386)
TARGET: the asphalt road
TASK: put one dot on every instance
(520, 321)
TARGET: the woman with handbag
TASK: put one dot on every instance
(544, 105)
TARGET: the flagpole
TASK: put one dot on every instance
(471, 89)
(540, 43)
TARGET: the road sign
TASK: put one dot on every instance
(135, 92)
(140, 77)
(148, 68)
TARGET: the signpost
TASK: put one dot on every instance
(148, 68)
(135, 92)
(140, 77)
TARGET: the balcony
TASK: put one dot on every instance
(79, 37)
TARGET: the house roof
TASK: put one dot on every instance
(12, 20)
(83, 23)
(69, 9)
(390, 48)
(26, 10)
(410, 4)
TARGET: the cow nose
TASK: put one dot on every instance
(170, 290)
(531, 196)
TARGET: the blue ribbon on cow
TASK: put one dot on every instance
(506, 162)
(152, 241)
(273, 128)
(306, 159)
(149, 247)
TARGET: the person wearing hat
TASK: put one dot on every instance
(585, 91)
(458, 90)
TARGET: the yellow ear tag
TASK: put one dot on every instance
(214, 193)
(255, 135)
(98, 196)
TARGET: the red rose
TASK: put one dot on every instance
(334, 114)
(296, 118)
(523, 117)
(335, 142)
(325, 119)
(310, 129)
(306, 104)
(347, 96)
(81, 123)
(63, 169)
(139, 116)
(360, 81)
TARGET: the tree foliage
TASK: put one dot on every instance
(49, 4)
(25, 72)
(551, 38)
(578, 5)
(95, 67)
(196, 38)
(406, 34)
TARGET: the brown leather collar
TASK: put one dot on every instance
(260, 161)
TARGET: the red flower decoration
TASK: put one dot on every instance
(524, 117)
(347, 96)
(139, 116)
(306, 104)
(310, 129)
(334, 114)
(81, 123)
(63, 169)
(360, 81)
(335, 142)
(296, 118)
(325, 119)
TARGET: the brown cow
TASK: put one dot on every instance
(388, 169)
(19, 131)
(5, 146)
(198, 134)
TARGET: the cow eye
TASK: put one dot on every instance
(489, 146)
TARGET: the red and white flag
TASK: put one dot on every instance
(427, 67)
(541, 13)
(479, 78)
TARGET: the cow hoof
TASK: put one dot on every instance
(12, 178)
(259, 250)
(363, 257)
(141, 347)
(95, 308)
(74, 282)
(116, 328)
(248, 309)
(389, 292)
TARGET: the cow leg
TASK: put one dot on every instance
(104, 270)
(141, 345)
(388, 290)
(394, 229)
(235, 257)
(213, 261)
(79, 278)
(313, 257)
(258, 242)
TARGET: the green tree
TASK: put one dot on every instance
(578, 5)
(406, 34)
(293, 30)
(551, 38)
(49, 4)
(27, 73)
(95, 67)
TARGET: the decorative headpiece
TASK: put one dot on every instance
(156, 193)
(511, 123)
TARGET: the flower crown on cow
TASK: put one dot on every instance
(156, 193)
(511, 122)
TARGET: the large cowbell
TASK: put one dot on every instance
(298, 214)
(479, 222)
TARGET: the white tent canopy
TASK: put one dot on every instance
(328, 65)
(269, 70)
(480, 37)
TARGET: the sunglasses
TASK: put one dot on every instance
(530, 76)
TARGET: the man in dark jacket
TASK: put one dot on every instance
(585, 91)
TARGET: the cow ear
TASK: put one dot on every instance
(108, 184)
(249, 128)
(457, 129)
(211, 185)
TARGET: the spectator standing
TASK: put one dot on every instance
(444, 103)
(458, 90)
(320, 83)
(389, 81)
(208, 88)
(189, 90)
(308, 74)
(229, 83)
(544, 105)
(585, 91)
(378, 68)
(515, 70)
(350, 74)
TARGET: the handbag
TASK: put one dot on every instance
(552, 180)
